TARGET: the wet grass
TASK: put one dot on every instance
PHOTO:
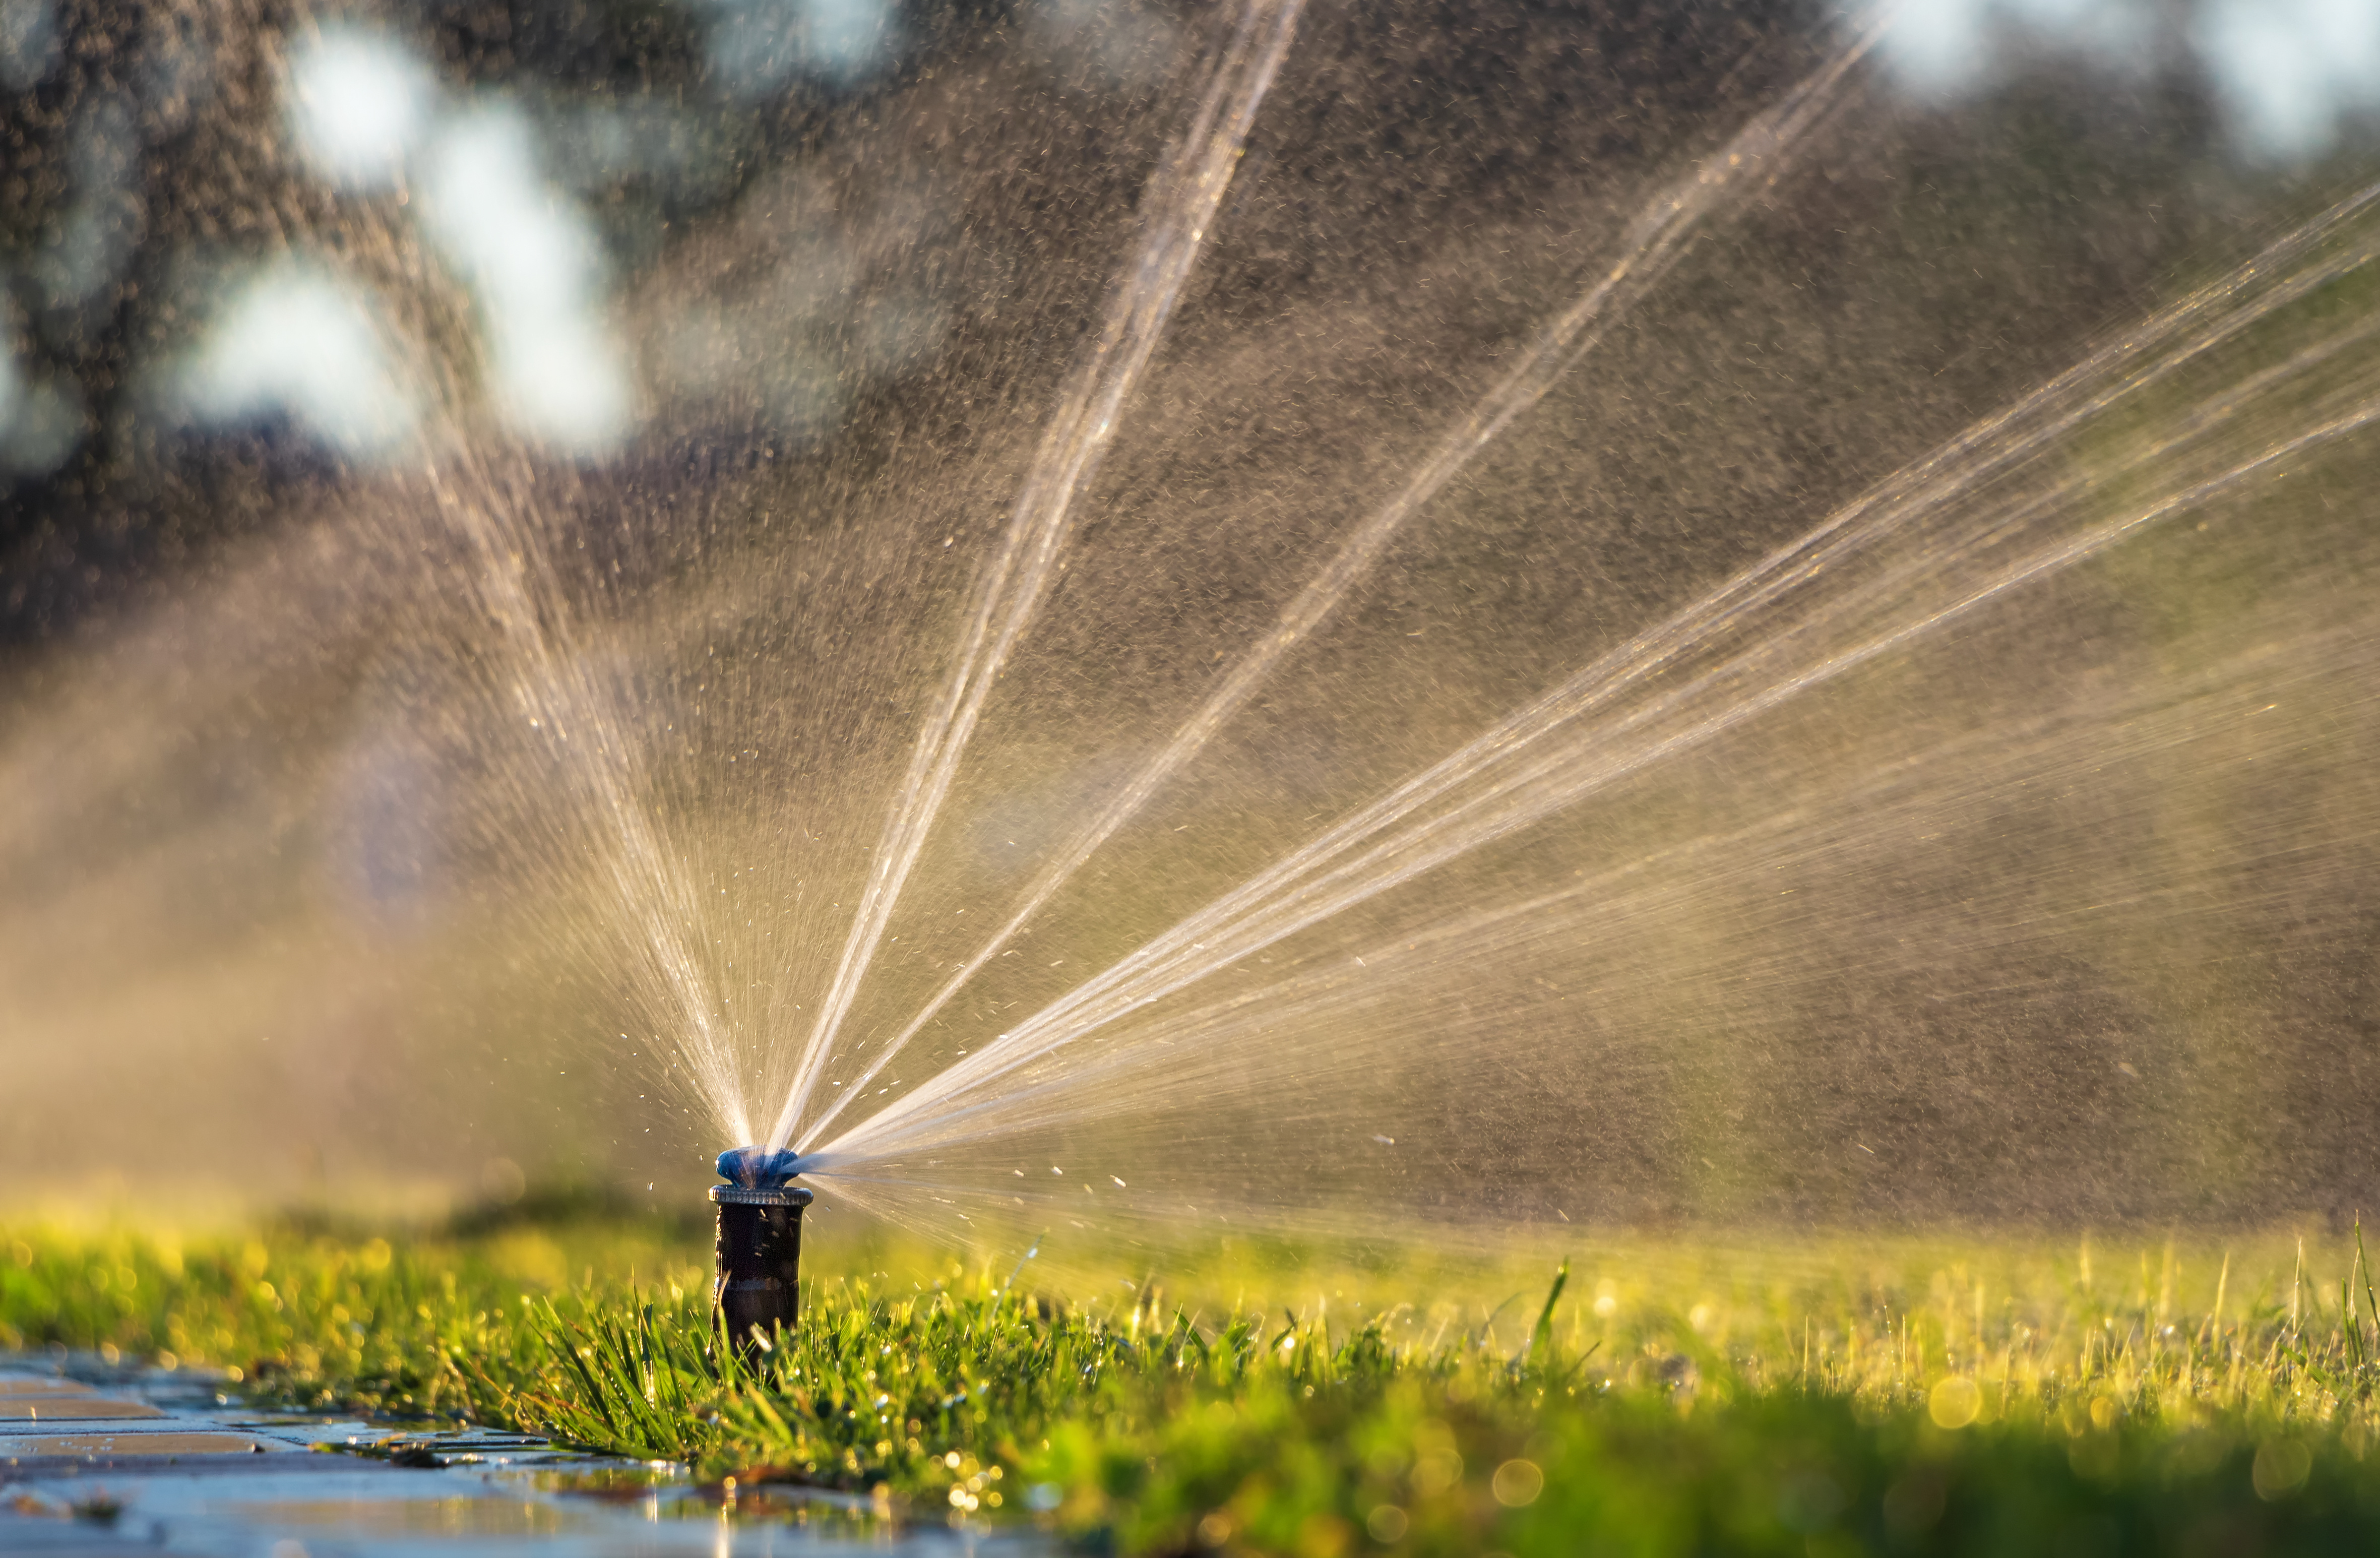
(1663, 1395)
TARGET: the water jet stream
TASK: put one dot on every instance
(552, 689)
(1195, 1050)
(1180, 208)
(1246, 922)
(1844, 596)
(1759, 154)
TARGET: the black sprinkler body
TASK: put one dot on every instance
(760, 1248)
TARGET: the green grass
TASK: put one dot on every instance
(1669, 1396)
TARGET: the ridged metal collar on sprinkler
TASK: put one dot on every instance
(760, 1246)
(758, 1168)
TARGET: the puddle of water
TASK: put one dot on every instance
(615, 1481)
(660, 1491)
(189, 1479)
(453, 1515)
(338, 1433)
(369, 1510)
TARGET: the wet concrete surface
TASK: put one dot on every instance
(101, 1460)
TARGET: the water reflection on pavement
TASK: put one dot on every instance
(101, 1460)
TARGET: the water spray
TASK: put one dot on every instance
(760, 1248)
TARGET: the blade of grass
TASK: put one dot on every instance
(1541, 1339)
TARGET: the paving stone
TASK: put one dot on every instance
(15, 1448)
(53, 1408)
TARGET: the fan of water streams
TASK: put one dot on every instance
(1996, 509)
(1290, 630)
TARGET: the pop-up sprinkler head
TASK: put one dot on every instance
(760, 1245)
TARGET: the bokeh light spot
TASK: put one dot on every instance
(293, 340)
(358, 104)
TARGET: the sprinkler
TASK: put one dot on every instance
(760, 1242)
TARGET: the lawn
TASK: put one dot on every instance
(1670, 1393)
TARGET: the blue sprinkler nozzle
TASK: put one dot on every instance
(758, 1168)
